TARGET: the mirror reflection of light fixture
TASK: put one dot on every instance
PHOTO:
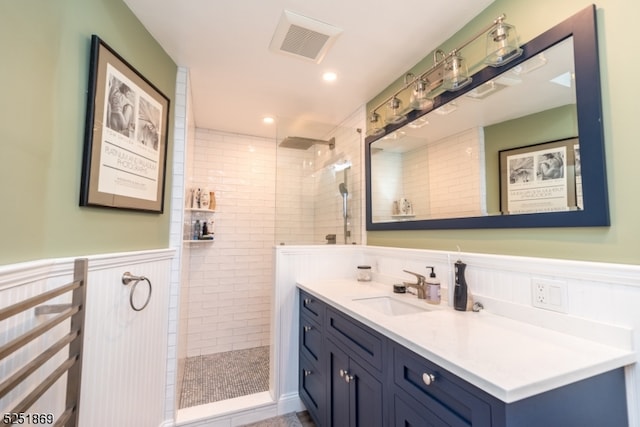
(376, 128)
(394, 114)
(419, 122)
(446, 109)
(502, 44)
(399, 134)
(456, 75)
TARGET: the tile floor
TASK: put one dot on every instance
(300, 419)
(214, 377)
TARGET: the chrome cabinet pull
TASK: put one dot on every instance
(307, 328)
(346, 376)
(307, 301)
(428, 379)
(307, 372)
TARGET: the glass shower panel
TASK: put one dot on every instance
(318, 194)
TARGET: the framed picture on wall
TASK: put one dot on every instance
(541, 178)
(125, 144)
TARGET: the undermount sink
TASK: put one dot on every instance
(390, 306)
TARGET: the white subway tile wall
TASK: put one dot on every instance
(455, 163)
(230, 279)
(448, 186)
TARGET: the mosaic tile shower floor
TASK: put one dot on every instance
(214, 377)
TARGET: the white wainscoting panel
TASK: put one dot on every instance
(125, 351)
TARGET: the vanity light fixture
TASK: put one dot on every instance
(420, 99)
(456, 74)
(502, 44)
(376, 128)
(449, 72)
(394, 112)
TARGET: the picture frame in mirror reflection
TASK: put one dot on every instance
(539, 178)
(126, 130)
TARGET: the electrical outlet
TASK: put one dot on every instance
(549, 294)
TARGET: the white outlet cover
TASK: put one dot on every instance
(549, 294)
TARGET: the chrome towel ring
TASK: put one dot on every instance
(127, 278)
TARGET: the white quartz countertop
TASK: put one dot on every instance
(508, 359)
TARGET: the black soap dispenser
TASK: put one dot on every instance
(460, 291)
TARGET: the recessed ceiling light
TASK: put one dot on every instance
(268, 120)
(329, 76)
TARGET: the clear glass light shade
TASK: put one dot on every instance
(419, 98)
(394, 112)
(456, 75)
(375, 125)
(502, 45)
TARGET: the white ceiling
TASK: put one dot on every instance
(236, 80)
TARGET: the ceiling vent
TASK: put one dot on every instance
(303, 37)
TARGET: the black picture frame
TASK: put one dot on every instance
(544, 177)
(126, 136)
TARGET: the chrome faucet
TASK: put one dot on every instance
(421, 286)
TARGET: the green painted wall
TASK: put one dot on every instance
(44, 72)
(617, 243)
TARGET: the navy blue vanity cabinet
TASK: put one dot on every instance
(355, 361)
(434, 396)
(351, 375)
(311, 364)
(427, 395)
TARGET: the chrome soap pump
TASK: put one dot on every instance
(461, 295)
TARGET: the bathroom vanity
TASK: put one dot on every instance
(368, 357)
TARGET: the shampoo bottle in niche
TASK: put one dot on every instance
(461, 296)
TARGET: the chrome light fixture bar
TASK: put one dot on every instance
(448, 72)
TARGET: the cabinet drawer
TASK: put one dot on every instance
(310, 338)
(312, 389)
(362, 341)
(407, 411)
(312, 306)
(448, 397)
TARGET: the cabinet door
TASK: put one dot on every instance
(337, 386)
(365, 397)
(355, 395)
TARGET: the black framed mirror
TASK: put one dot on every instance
(418, 172)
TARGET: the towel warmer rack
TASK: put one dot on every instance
(72, 366)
